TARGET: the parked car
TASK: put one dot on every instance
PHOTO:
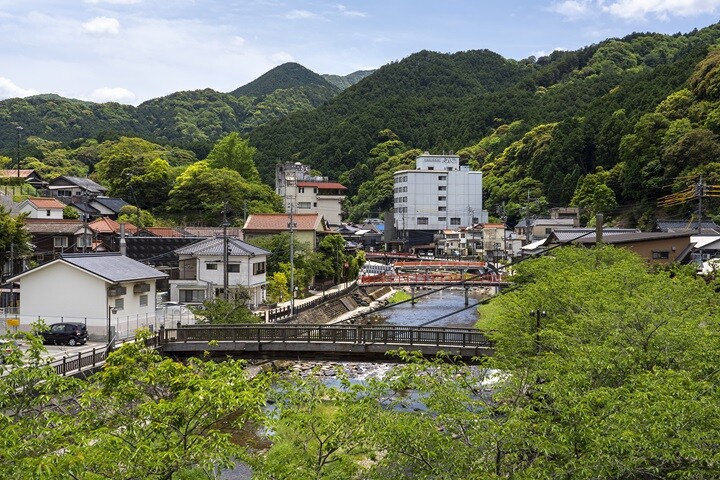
(66, 333)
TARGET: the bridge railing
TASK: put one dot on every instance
(461, 337)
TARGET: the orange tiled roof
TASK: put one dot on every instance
(108, 225)
(279, 221)
(45, 202)
(322, 185)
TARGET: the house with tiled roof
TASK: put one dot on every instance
(28, 175)
(67, 186)
(111, 293)
(203, 269)
(52, 237)
(309, 227)
(42, 207)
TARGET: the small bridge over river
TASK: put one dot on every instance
(433, 279)
(321, 342)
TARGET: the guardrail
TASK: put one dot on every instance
(82, 361)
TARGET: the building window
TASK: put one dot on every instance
(314, 190)
(455, 221)
(475, 220)
(119, 304)
(442, 198)
(431, 168)
(60, 242)
(442, 219)
(442, 209)
(422, 220)
(84, 241)
(548, 231)
(143, 300)
(442, 188)
(258, 268)
(442, 177)
(301, 190)
(47, 213)
(660, 255)
(315, 204)
(191, 296)
(64, 193)
(304, 205)
(234, 268)
(211, 266)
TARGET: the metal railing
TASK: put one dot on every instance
(381, 334)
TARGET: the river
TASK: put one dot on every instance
(431, 310)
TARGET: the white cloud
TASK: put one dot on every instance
(282, 57)
(108, 94)
(299, 15)
(9, 90)
(238, 41)
(572, 9)
(350, 13)
(661, 9)
(102, 26)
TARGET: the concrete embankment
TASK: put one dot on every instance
(335, 311)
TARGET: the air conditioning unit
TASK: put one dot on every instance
(141, 288)
(117, 291)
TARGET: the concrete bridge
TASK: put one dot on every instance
(321, 342)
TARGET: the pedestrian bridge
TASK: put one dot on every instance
(321, 342)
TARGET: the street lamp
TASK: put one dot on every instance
(538, 314)
(19, 129)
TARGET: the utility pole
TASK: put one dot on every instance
(19, 129)
(528, 230)
(291, 227)
(699, 192)
(226, 251)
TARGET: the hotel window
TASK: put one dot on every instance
(442, 188)
(442, 209)
(455, 221)
(422, 220)
(442, 177)
(442, 199)
(475, 220)
(442, 219)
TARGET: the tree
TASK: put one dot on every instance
(235, 153)
(205, 190)
(14, 237)
(145, 416)
(232, 310)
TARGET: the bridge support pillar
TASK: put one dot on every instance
(412, 294)
(467, 300)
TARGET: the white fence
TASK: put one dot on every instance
(119, 327)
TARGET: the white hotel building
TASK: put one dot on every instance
(438, 195)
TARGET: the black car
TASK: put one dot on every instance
(70, 333)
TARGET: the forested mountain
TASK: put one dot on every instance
(635, 108)
(192, 119)
(610, 127)
(347, 81)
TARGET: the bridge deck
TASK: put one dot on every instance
(322, 341)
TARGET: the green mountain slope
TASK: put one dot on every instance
(347, 81)
(286, 76)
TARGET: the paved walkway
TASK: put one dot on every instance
(316, 295)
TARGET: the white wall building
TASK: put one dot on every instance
(438, 195)
(105, 291)
(42, 207)
(202, 270)
(309, 194)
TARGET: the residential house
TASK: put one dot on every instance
(202, 270)
(29, 176)
(309, 228)
(66, 186)
(42, 207)
(111, 293)
(704, 227)
(656, 247)
(305, 193)
(541, 227)
(52, 237)
(96, 206)
(493, 245)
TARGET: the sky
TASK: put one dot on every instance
(130, 51)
